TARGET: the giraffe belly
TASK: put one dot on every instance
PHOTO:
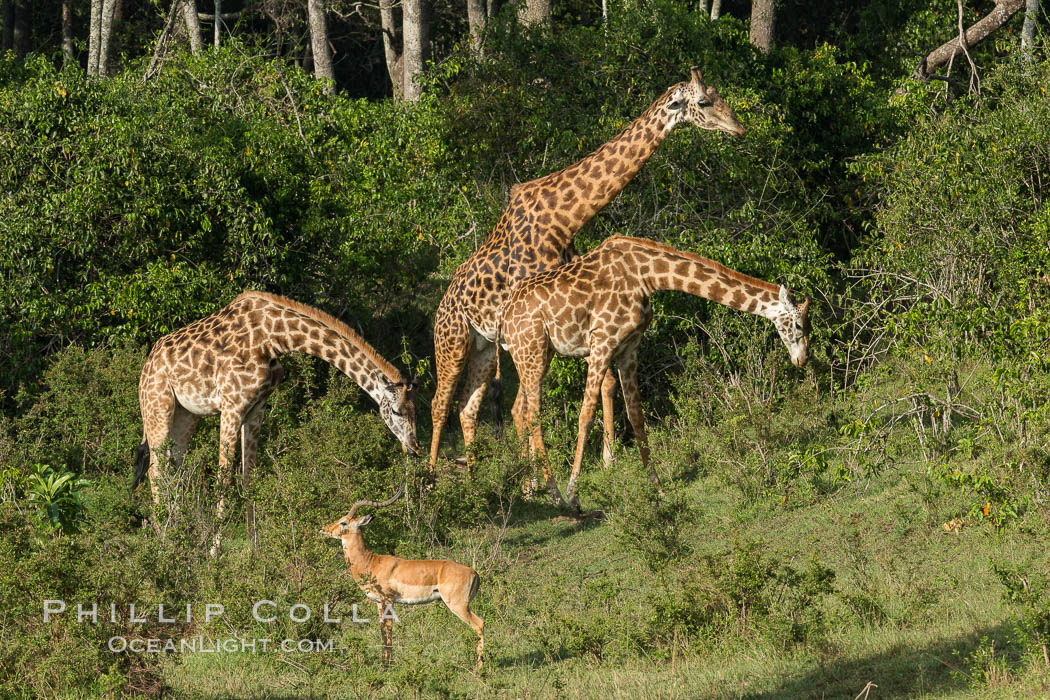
(197, 405)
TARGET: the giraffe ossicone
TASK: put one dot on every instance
(597, 307)
(536, 232)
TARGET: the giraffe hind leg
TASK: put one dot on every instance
(480, 369)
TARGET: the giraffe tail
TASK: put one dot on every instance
(141, 464)
(497, 386)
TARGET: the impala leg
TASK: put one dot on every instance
(386, 629)
(597, 367)
(608, 392)
(461, 609)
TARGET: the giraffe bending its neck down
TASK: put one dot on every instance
(597, 307)
(226, 363)
(535, 234)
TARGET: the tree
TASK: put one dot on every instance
(105, 35)
(1028, 30)
(193, 25)
(319, 43)
(67, 32)
(477, 18)
(763, 15)
(7, 16)
(947, 51)
(535, 13)
(406, 66)
(716, 9)
(417, 40)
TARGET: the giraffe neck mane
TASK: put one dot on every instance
(665, 268)
(633, 136)
(662, 249)
(326, 319)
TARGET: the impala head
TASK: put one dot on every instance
(792, 323)
(398, 409)
(348, 524)
(701, 104)
(344, 526)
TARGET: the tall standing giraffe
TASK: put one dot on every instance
(535, 233)
(226, 363)
(597, 306)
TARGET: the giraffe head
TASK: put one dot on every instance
(398, 409)
(792, 323)
(701, 104)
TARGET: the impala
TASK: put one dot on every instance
(387, 579)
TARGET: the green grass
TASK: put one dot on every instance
(563, 601)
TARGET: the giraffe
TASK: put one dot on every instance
(226, 363)
(535, 233)
(597, 306)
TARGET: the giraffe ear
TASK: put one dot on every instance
(785, 296)
(698, 79)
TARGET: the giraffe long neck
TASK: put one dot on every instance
(600, 176)
(670, 269)
(295, 327)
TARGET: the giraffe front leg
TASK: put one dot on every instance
(229, 427)
(530, 372)
(249, 455)
(596, 371)
(632, 397)
(451, 347)
(608, 392)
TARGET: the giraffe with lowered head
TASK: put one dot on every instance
(597, 307)
(226, 363)
(535, 233)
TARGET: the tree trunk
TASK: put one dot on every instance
(716, 9)
(22, 28)
(1031, 16)
(67, 33)
(105, 33)
(193, 25)
(218, 23)
(322, 50)
(7, 9)
(535, 13)
(393, 58)
(492, 7)
(949, 49)
(415, 31)
(763, 15)
(165, 38)
(477, 16)
(94, 36)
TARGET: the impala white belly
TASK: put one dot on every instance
(412, 595)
